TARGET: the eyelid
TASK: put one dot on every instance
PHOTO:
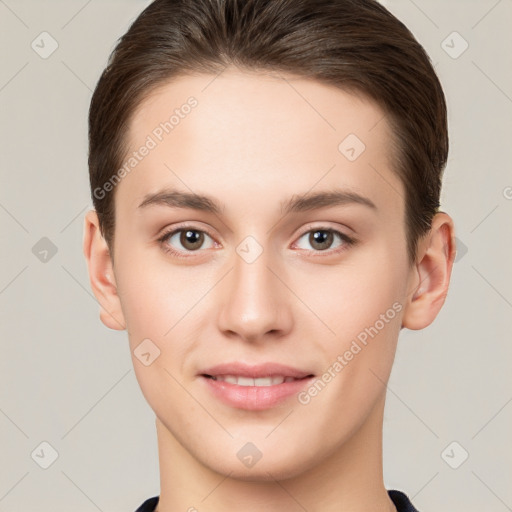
(347, 240)
(323, 226)
(171, 231)
(166, 232)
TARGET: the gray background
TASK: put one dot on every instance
(67, 380)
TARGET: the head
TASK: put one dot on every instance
(258, 105)
(358, 47)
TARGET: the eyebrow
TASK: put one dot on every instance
(297, 203)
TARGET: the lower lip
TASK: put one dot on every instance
(255, 398)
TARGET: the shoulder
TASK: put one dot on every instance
(149, 505)
(401, 501)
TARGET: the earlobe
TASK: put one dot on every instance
(101, 273)
(430, 276)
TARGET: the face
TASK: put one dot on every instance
(263, 286)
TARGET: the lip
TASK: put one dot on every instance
(255, 371)
(254, 398)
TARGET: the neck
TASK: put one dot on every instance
(348, 479)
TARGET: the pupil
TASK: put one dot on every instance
(321, 237)
(191, 237)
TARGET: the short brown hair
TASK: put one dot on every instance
(356, 45)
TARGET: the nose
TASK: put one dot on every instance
(256, 303)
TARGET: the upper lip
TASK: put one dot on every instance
(255, 371)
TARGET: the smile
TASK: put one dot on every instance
(248, 381)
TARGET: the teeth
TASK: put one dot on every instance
(267, 381)
(245, 381)
(248, 381)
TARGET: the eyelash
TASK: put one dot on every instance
(348, 241)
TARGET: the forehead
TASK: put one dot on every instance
(261, 130)
(242, 102)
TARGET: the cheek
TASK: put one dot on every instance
(164, 312)
(366, 319)
(154, 297)
(363, 307)
(349, 298)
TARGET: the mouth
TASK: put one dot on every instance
(239, 380)
(254, 388)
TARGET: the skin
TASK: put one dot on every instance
(251, 142)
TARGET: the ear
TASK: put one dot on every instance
(430, 275)
(101, 273)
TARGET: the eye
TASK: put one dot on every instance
(321, 239)
(190, 239)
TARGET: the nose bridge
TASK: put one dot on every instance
(254, 303)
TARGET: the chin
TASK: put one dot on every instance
(269, 470)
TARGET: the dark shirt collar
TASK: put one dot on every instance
(400, 500)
